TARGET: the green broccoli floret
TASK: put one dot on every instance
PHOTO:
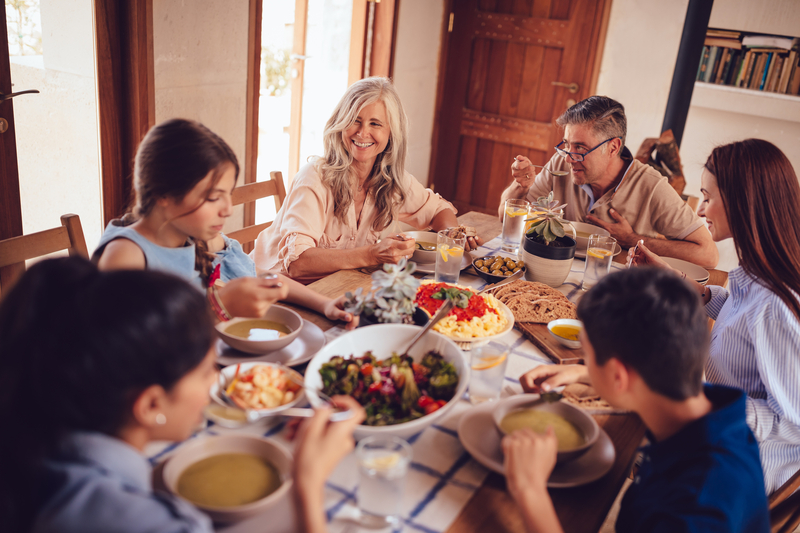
(443, 382)
(432, 360)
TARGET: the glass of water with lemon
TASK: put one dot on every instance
(599, 253)
(516, 211)
(488, 366)
(450, 245)
(383, 463)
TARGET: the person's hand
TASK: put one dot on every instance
(523, 171)
(251, 297)
(392, 250)
(334, 310)
(641, 255)
(321, 444)
(620, 229)
(529, 460)
(473, 243)
(544, 378)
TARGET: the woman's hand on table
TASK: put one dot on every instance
(529, 459)
(547, 377)
(392, 249)
(251, 297)
(334, 310)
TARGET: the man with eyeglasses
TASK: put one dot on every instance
(602, 184)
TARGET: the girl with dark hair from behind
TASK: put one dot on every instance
(751, 194)
(184, 175)
(96, 365)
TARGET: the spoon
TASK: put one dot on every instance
(440, 314)
(557, 173)
(230, 417)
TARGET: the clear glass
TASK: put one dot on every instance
(516, 211)
(599, 253)
(449, 253)
(383, 464)
(488, 372)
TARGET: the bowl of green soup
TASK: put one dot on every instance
(230, 477)
(277, 328)
(575, 430)
(424, 246)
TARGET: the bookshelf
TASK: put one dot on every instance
(746, 101)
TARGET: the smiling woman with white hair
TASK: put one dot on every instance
(341, 208)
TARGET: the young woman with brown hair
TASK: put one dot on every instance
(751, 194)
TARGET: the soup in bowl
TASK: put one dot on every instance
(424, 246)
(276, 329)
(575, 430)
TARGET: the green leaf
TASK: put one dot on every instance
(548, 235)
(557, 228)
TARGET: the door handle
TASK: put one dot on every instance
(571, 87)
(4, 97)
(298, 57)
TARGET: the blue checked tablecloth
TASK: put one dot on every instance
(442, 476)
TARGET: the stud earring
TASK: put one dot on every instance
(161, 419)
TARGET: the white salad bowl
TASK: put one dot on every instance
(383, 340)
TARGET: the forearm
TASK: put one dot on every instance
(694, 252)
(310, 512)
(321, 262)
(514, 191)
(301, 295)
(444, 219)
(538, 512)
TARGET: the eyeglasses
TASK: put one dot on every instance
(576, 156)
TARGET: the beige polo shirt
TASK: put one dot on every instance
(644, 197)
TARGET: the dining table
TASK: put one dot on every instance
(451, 491)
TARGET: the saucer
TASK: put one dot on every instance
(692, 271)
(430, 268)
(301, 350)
(480, 438)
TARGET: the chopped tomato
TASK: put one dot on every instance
(366, 369)
(375, 386)
(425, 401)
(441, 403)
(431, 407)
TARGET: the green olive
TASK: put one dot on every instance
(479, 263)
(516, 270)
(484, 269)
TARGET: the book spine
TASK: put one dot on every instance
(758, 62)
(701, 69)
(748, 59)
(787, 71)
(766, 71)
(736, 71)
(730, 72)
(712, 58)
(794, 84)
(776, 73)
(724, 67)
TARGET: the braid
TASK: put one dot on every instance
(203, 260)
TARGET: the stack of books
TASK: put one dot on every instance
(759, 62)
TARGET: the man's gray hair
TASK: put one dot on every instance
(605, 117)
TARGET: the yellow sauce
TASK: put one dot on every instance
(258, 330)
(228, 480)
(568, 435)
(567, 332)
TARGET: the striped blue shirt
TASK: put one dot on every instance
(755, 346)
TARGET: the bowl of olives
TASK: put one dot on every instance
(494, 268)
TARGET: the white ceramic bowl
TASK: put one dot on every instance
(229, 371)
(585, 423)
(583, 231)
(382, 340)
(421, 256)
(204, 447)
(276, 313)
(574, 345)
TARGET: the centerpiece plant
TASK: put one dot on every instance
(547, 224)
(547, 250)
(391, 300)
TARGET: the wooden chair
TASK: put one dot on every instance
(784, 506)
(250, 193)
(16, 250)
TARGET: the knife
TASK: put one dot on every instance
(509, 279)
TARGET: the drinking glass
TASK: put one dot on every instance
(488, 372)
(383, 463)
(599, 253)
(516, 211)
(449, 252)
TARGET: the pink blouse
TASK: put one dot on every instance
(306, 220)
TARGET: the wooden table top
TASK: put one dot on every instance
(580, 509)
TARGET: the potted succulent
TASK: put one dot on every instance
(547, 250)
(391, 300)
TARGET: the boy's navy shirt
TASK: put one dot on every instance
(705, 478)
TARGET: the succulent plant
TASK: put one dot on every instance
(391, 299)
(548, 223)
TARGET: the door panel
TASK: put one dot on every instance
(497, 99)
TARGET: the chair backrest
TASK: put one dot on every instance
(784, 506)
(252, 192)
(16, 250)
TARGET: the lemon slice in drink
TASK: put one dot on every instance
(455, 251)
(510, 211)
(490, 361)
(598, 253)
(443, 248)
(382, 462)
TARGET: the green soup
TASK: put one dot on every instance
(258, 330)
(569, 436)
(228, 480)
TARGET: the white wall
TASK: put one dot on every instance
(200, 57)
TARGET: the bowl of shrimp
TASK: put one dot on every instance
(268, 388)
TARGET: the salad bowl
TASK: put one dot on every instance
(384, 340)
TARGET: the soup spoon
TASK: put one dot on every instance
(557, 173)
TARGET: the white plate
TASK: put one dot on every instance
(310, 340)
(480, 438)
(430, 268)
(697, 273)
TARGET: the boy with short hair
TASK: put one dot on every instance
(646, 341)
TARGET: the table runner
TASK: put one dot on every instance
(442, 476)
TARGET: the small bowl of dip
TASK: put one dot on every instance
(566, 331)
(277, 328)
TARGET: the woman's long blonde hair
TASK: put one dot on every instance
(336, 167)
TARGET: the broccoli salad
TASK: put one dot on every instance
(393, 390)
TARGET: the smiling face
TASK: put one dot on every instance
(368, 137)
(712, 208)
(204, 222)
(580, 138)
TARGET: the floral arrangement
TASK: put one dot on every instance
(392, 297)
(548, 223)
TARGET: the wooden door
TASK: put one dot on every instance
(499, 94)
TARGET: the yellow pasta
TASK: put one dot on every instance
(478, 326)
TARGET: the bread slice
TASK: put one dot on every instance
(533, 308)
(520, 287)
